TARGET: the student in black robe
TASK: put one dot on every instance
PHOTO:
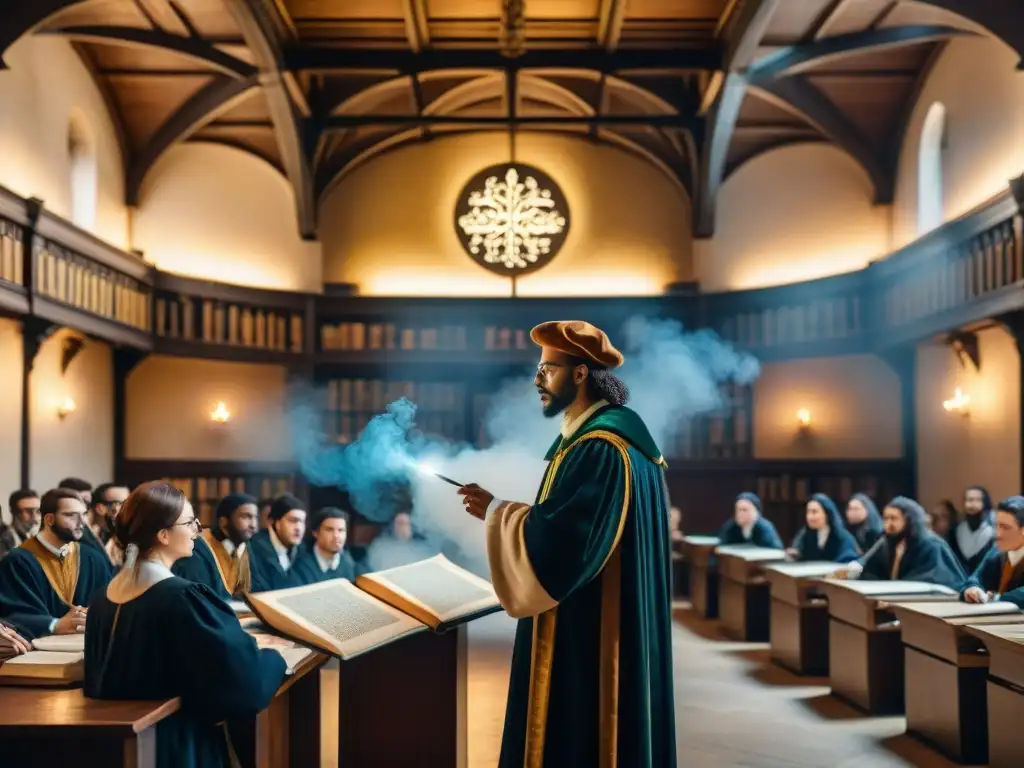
(748, 527)
(25, 520)
(863, 521)
(974, 536)
(272, 551)
(824, 537)
(220, 558)
(46, 583)
(941, 517)
(1000, 576)
(154, 636)
(908, 551)
(324, 557)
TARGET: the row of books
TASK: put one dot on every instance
(356, 336)
(820, 319)
(206, 492)
(375, 394)
(217, 322)
(86, 285)
(12, 253)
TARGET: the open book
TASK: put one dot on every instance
(346, 619)
(43, 668)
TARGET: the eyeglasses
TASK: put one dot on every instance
(544, 370)
(193, 524)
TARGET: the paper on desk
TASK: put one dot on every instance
(293, 657)
(62, 643)
(55, 658)
(239, 607)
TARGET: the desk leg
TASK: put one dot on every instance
(304, 721)
(1005, 715)
(799, 636)
(140, 750)
(418, 682)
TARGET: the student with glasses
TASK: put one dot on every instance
(153, 635)
(46, 583)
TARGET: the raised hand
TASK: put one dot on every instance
(476, 499)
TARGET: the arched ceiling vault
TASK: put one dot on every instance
(318, 87)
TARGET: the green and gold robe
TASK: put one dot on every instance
(586, 569)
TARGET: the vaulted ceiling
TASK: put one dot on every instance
(696, 87)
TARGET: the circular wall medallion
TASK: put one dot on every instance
(512, 218)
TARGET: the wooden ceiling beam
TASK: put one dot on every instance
(1002, 18)
(800, 58)
(797, 94)
(202, 108)
(163, 17)
(417, 28)
(824, 23)
(195, 49)
(744, 31)
(344, 122)
(264, 31)
(609, 27)
(339, 60)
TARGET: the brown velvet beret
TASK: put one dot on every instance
(579, 339)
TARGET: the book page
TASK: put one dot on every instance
(66, 643)
(333, 616)
(45, 665)
(434, 590)
(38, 658)
(896, 588)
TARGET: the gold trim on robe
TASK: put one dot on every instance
(62, 574)
(542, 652)
(233, 572)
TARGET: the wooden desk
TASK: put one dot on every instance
(946, 669)
(40, 727)
(1005, 689)
(799, 616)
(744, 595)
(286, 733)
(865, 652)
(699, 553)
(419, 682)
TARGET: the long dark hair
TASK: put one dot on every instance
(149, 509)
(913, 514)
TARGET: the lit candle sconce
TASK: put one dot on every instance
(959, 403)
(220, 414)
(66, 408)
(803, 419)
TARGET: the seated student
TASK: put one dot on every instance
(1001, 574)
(107, 499)
(220, 559)
(82, 487)
(25, 519)
(46, 583)
(272, 551)
(824, 537)
(153, 636)
(941, 517)
(324, 557)
(974, 536)
(907, 552)
(747, 525)
(265, 505)
(863, 521)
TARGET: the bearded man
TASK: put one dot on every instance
(587, 571)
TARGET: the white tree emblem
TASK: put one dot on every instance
(511, 221)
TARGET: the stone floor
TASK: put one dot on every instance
(734, 708)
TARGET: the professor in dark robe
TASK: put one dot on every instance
(1000, 576)
(908, 551)
(586, 569)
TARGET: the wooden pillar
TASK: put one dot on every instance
(124, 362)
(1014, 323)
(903, 362)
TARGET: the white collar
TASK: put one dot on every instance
(60, 554)
(570, 428)
(234, 550)
(275, 542)
(748, 529)
(130, 583)
(327, 565)
(1015, 556)
(972, 542)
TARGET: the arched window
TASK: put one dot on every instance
(82, 161)
(930, 207)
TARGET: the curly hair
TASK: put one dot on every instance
(604, 385)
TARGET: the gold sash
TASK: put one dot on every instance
(543, 650)
(232, 570)
(62, 574)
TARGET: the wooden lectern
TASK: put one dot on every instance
(799, 616)
(744, 595)
(1005, 645)
(699, 553)
(865, 652)
(946, 668)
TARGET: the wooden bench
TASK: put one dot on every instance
(744, 595)
(799, 616)
(1005, 689)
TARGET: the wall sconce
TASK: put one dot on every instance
(803, 419)
(959, 403)
(66, 407)
(220, 414)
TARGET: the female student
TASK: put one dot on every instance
(747, 526)
(153, 635)
(863, 521)
(824, 537)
